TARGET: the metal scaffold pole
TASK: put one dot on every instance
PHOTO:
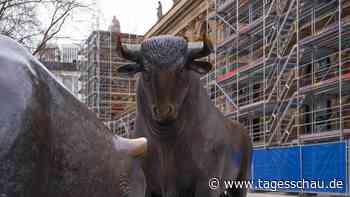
(298, 72)
(98, 99)
(298, 92)
(264, 71)
(207, 28)
(110, 75)
(237, 57)
(340, 69)
(215, 51)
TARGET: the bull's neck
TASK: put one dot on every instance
(193, 111)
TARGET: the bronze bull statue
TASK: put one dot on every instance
(190, 141)
(51, 145)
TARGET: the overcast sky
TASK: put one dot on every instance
(135, 16)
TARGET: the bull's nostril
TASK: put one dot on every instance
(169, 110)
(155, 110)
(165, 112)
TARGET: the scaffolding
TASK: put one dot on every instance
(281, 68)
(285, 65)
(106, 92)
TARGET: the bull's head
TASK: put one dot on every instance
(166, 64)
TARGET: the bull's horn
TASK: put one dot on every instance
(133, 147)
(130, 52)
(201, 49)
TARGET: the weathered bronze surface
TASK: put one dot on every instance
(190, 141)
(51, 145)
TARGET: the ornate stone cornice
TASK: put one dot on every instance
(178, 17)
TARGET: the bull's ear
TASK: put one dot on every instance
(200, 67)
(130, 69)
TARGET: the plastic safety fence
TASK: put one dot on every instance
(308, 168)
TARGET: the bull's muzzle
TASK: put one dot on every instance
(164, 113)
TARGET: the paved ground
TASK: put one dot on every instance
(269, 195)
(286, 195)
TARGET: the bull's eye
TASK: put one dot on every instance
(182, 70)
(181, 74)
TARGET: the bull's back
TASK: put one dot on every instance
(50, 143)
(18, 147)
